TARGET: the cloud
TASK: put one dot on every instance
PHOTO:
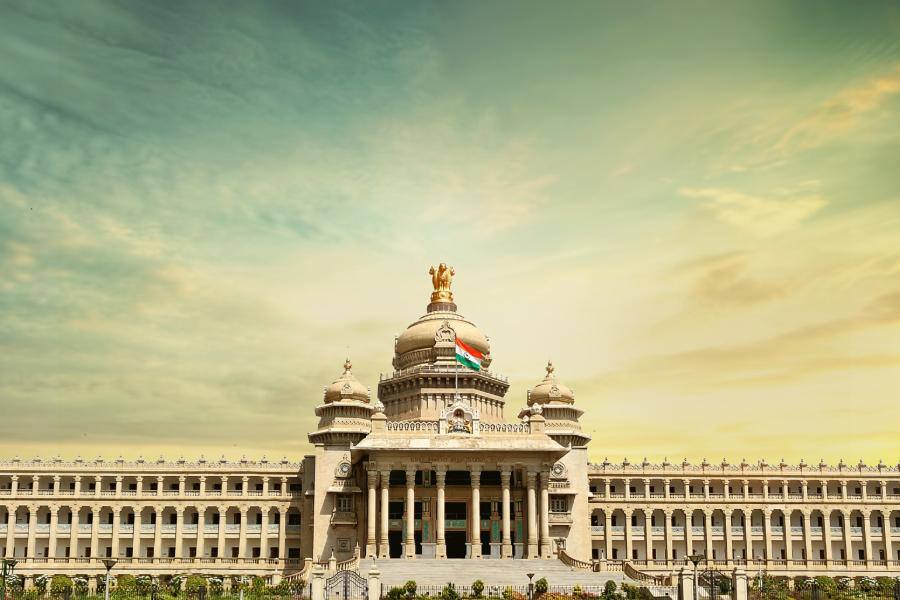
(840, 114)
(723, 280)
(757, 215)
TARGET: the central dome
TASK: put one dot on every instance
(440, 324)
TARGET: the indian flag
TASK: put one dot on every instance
(468, 355)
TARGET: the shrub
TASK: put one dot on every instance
(449, 592)
(80, 585)
(410, 588)
(886, 586)
(61, 586)
(40, 584)
(609, 589)
(192, 585)
(724, 584)
(396, 593)
(541, 585)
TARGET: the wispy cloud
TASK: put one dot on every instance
(838, 115)
(763, 216)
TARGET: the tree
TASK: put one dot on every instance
(193, 584)
(541, 585)
(477, 588)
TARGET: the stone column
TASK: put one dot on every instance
(628, 544)
(765, 489)
(179, 530)
(867, 532)
(767, 534)
(202, 488)
(201, 531)
(843, 489)
(410, 512)
(785, 487)
(748, 533)
(157, 531)
(607, 532)
(805, 514)
(14, 485)
(648, 534)
(666, 492)
(242, 539)
(475, 525)
(383, 545)
(739, 584)
(788, 535)
(707, 534)
(506, 550)
(824, 483)
(160, 488)
(440, 549)
(646, 488)
(532, 514)
(244, 485)
(371, 509)
(863, 487)
(136, 534)
(886, 532)
(118, 489)
(264, 533)
(54, 521)
(139, 486)
(667, 515)
(804, 489)
(56, 479)
(627, 483)
(729, 545)
(95, 530)
(545, 514)
(706, 489)
(689, 530)
(117, 525)
(181, 480)
(223, 519)
(10, 530)
(848, 544)
(746, 485)
(826, 535)
(282, 533)
(73, 532)
(265, 490)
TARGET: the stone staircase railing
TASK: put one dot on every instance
(573, 562)
(642, 577)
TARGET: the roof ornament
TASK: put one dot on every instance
(347, 366)
(441, 279)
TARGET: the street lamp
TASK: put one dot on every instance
(8, 565)
(109, 563)
(695, 558)
(530, 586)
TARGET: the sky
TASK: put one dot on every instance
(692, 208)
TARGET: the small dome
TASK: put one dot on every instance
(550, 390)
(346, 387)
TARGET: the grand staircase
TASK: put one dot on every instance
(501, 573)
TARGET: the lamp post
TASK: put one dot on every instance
(109, 563)
(530, 586)
(695, 559)
(8, 565)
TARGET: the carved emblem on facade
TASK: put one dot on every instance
(445, 333)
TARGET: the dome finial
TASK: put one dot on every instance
(549, 368)
(441, 278)
(347, 365)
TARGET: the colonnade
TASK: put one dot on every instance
(757, 541)
(537, 481)
(122, 536)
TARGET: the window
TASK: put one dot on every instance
(595, 553)
(559, 504)
(345, 503)
(632, 489)
(614, 520)
(674, 554)
(172, 552)
(214, 551)
(293, 519)
(615, 553)
(633, 520)
(295, 487)
(652, 489)
(671, 489)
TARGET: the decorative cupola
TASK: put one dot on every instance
(344, 415)
(556, 402)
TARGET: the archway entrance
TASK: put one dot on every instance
(456, 544)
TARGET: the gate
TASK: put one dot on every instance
(346, 585)
(714, 585)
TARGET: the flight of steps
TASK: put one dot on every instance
(433, 572)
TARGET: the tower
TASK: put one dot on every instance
(426, 375)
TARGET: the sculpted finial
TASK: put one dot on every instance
(347, 365)
(549, 368)
(441, 278)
